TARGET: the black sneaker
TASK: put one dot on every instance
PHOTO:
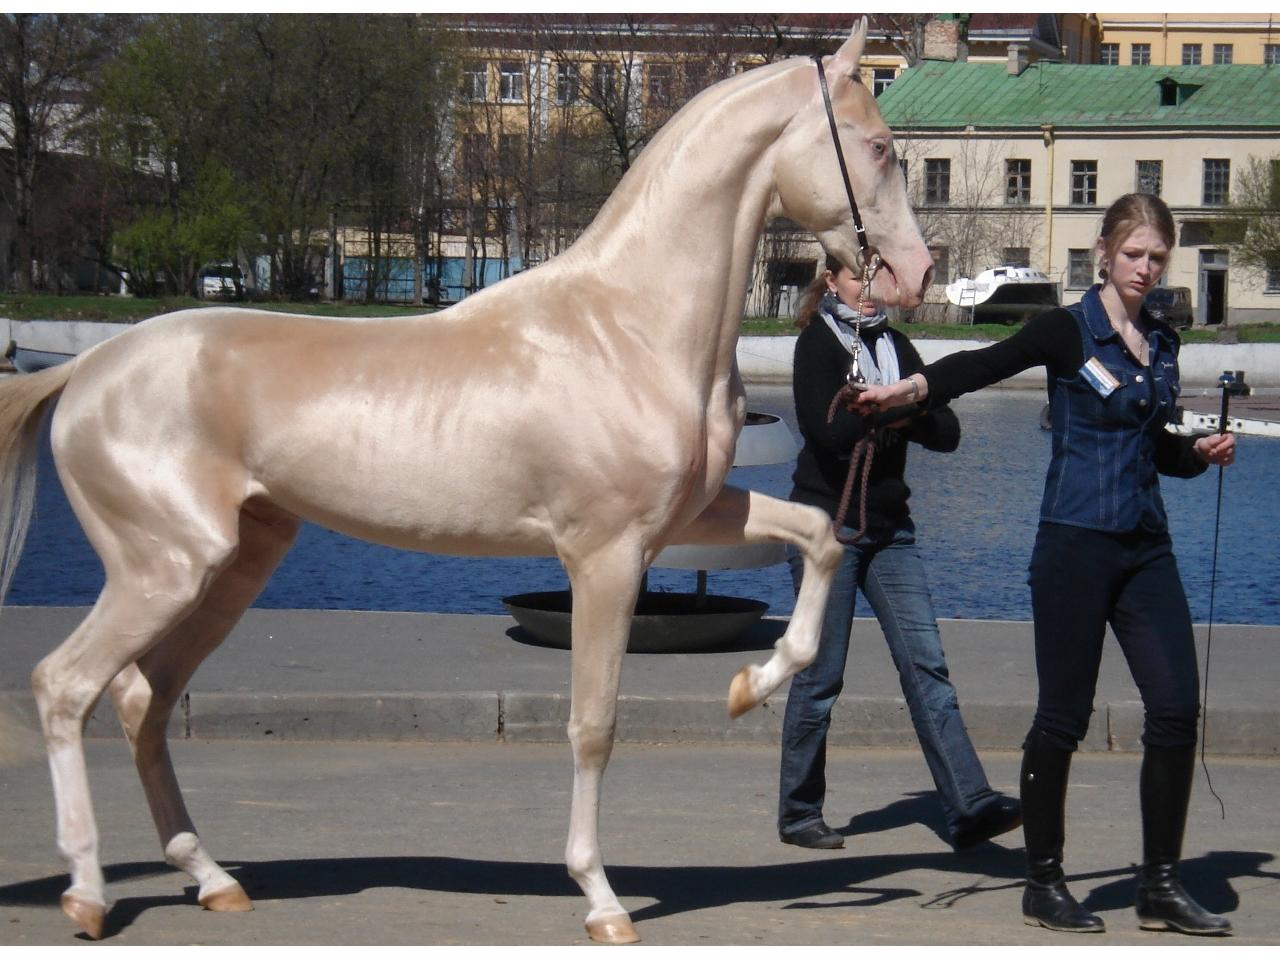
(818, 836)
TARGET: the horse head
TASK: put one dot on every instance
(807, 179)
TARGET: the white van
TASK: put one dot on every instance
(220, 281)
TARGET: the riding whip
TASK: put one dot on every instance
(1226, 381)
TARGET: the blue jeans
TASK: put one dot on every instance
(891, 576)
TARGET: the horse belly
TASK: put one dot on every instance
(396, 495)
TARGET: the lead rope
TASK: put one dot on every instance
(1213, 583)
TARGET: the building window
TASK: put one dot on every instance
(1191, 54)
(1017, 256)
(697, 75)
(659, 89)
(1017, 181)
(937, 181)
(1079, 269)
(902, 165)
(1140, 54)
(1272, 282)
(1149, 174)
(1217, 183)
(511, 81)
(567, 77)
(1222, 53)
(475, 149)
(1084, 183)
(881, 77)
(604, 82)
(1109, 54)
(941, 265)
(475, 81)
(1271, 54)
(510, 153)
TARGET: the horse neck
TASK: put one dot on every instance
(673, 246)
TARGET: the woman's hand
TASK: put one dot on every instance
(1217, 448)
(904, 392)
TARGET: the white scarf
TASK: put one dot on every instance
(878, 367)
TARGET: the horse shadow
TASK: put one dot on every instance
(859, 881)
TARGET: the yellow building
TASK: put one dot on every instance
(1188, 39)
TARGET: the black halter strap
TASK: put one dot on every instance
(844, 169)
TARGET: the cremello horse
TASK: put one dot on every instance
(570, 410)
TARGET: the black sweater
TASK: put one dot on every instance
(821, 363)
(1051, 340)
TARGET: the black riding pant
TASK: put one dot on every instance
(1081, 580)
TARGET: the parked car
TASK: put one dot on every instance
(1170, 304)
(220, 281)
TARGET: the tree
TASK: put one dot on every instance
(46, 63)
(1251, 228)
(974, 222)
(311, 115)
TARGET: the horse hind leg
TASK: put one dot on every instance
(605, 587)
(146, 692)
(137, 607)
(740, 516)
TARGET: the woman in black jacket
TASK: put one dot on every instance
(1103, 555)
(881, 560)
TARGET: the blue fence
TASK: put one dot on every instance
(395, 283)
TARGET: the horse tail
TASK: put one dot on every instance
(24, 401)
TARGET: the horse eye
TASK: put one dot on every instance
(879, 147)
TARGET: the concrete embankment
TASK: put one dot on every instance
(768, 360)
(761, 359)
(316, 675)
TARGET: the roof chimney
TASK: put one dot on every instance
(1017, 59)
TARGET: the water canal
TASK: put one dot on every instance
(975, 510)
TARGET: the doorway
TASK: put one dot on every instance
(1213, 287)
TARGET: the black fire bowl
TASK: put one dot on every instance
(663, 622)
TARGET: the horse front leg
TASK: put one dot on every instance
(738, 516)
(605, 585)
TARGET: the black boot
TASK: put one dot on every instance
(1046, 901)
(1165, 792)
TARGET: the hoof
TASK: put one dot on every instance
(615, 929)
(230, 899)
(89, 917)
(740, 697)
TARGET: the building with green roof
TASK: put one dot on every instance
(1016, 162)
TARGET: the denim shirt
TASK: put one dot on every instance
(1102, 474)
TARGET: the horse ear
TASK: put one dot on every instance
(845, 61)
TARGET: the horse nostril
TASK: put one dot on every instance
(927, 280)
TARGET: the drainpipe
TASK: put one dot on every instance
(1046, 131)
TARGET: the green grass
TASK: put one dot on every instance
(41, 306)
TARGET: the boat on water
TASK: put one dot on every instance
(28, 360)
(1004, 294)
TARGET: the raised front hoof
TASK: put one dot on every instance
(616, 929)
(741, 699)
(90, 917)
(230, 899)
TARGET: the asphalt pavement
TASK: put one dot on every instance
(399, 778)
(462, 843)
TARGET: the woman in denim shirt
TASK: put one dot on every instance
(884, 563)
(1103, 555)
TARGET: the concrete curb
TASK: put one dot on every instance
(531, 717)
